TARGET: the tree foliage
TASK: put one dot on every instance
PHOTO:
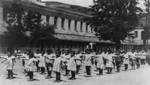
(114, 19)
(25, 27)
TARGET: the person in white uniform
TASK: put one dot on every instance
(42, 63)
(31, 65)
(72, 66)
(109, 63)
(100, 62)
(78, 61)
(88, 63)
(57, 68)
(126, 61)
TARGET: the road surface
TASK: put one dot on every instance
(132, 77)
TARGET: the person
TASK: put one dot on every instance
(58, 66)
(118, 62)
(72, 66)
(100, 63)
(133, 60)
(10, 65)
(88, 63)
(42, 63)
(78, 62)
(109, 63)
(37, 55)
(31, 64)
(126, 61)
(49, 59)
(143, 57)
(66, 56)
(25, 61)
(137, 58)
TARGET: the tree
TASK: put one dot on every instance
(14, 36)
(39, 32)
(114, 19)
(24, 27)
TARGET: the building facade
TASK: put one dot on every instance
(71, 29)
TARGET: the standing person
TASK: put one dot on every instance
(72, 65)
(66, 58)
(78, 62)
(126, 61)
(37, 56)
(31, 64)
(42, 63)
(88, 63)
(137, 58)
(10, 65)
(25, 61)
(143, 57)
(100, 63)
(49, 59)
(118, 61)
(109, 63)
(133, 60)
(58, 66)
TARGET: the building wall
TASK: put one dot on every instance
(137, 40)
(69, 26)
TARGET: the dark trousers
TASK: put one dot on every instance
(126, 67)
(100, 71)
(143, 61)
(109, 70)
(37, 66)
(42, 70)
(58, 76)
(10, 73)
(118, 68)
(73, 74)
(66, 71)
(48, 66)
(88, 70)
(78, 68)
(30, 74)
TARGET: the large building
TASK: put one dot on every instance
(71, 29)
(137, 40)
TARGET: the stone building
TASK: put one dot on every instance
(71, 29)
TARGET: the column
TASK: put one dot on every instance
(66, 23)
(51, 20)
(43, 18)
(89, 29)
(78, 26)
(59, 23)
(72, 25)
(84, 27)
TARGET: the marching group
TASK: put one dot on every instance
(71, 62)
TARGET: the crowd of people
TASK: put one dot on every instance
(70, 63)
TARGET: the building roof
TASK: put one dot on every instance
(72, 8)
